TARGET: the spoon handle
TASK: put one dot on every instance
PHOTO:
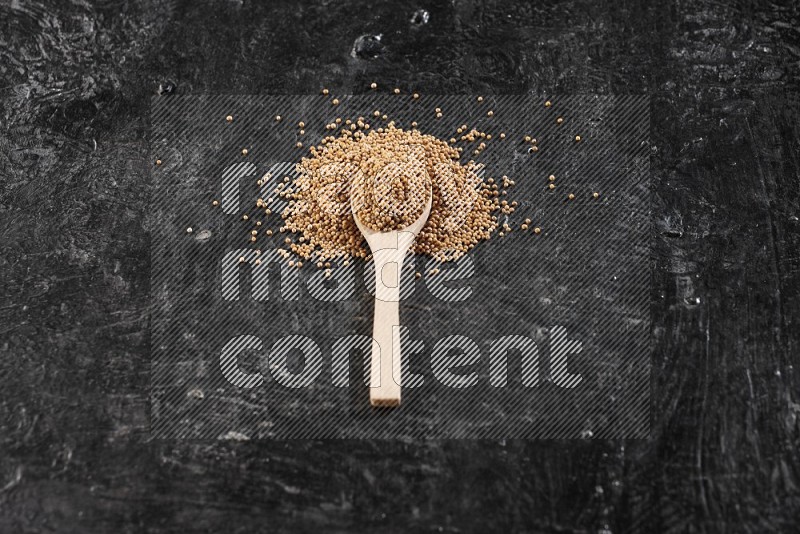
(386, 363)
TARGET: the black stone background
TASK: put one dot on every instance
(76, 80)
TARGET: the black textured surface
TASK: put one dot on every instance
(76, 79)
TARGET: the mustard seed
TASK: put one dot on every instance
(244, 152)
(229, 118)
(537, 230)
(596, 195)
(373, 85)
(323, 218)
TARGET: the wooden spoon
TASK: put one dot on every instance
(388, 250)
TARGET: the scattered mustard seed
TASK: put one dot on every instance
(277, 118)
(547, 104)
(215, 202)
(373, 85)
(552, 186)
(571, 196)
(577, 138)
(158, 162)
(244, 152)
(596, 195)
(229, 118)
(325, 91)
(559, 120)
(537, 230)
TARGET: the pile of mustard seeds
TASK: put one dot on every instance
(390, 173)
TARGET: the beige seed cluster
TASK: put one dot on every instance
(390, 173)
